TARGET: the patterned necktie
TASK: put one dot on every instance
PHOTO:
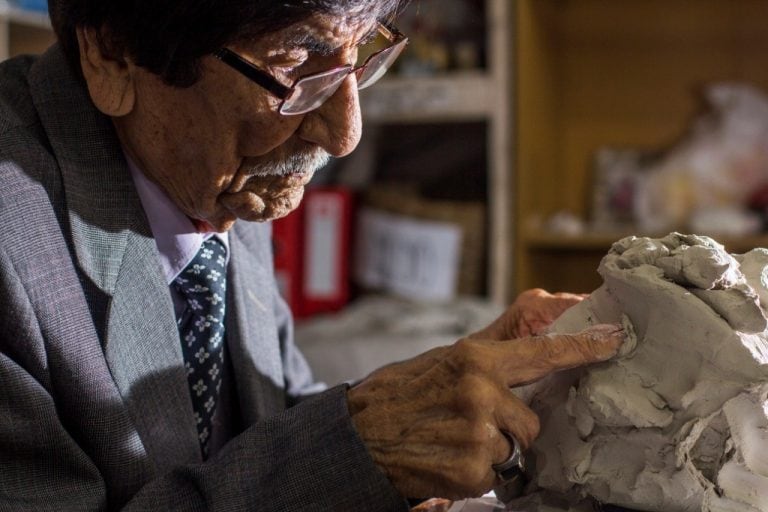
(201, 327)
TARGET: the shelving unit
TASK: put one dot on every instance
(620, 73)
(23, 31)
(468, 96)
(464, 96)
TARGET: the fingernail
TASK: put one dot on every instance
(608, 335)
(603, 331)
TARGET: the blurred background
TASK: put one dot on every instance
(512, 144)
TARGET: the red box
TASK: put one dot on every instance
(312, 251)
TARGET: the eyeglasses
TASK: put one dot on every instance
(310, 91)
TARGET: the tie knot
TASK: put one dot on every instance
(206, 274)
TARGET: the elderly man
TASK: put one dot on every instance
(146, 359)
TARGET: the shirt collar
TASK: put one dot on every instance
(176, 236)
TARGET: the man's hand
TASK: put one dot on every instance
(531, 313)
(433, 423)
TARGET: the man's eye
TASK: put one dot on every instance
(283, 68)
(287, 67)
(286, 64)
(291, 71)
(289, 62)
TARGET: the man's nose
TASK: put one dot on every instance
(336, 125)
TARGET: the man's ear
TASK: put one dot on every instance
(109, 79)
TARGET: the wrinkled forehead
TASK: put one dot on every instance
(324, 34)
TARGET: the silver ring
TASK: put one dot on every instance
(512, 467)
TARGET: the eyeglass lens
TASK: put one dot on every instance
(310, 92)
(378, 64)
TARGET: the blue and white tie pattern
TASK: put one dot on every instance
(201, 327)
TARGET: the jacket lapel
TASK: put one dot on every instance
(117, 257)
(255, 354)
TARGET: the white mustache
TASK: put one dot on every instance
(300, 163)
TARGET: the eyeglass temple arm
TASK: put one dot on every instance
(390, 32)
(252, 72)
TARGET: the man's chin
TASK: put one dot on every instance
(253, 207)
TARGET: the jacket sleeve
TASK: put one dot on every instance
(307, 458)
(299, 380)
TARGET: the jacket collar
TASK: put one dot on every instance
(117, 257)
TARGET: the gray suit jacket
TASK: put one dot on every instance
(94, 408)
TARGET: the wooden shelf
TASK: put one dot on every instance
(565, 242)
(561, 262)
(449, 98)
(482, 95)
(603, 241)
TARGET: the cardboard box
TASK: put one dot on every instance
(412, 258)
(469, 216)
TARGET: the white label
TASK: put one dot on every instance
(413, 258)
(322, 256)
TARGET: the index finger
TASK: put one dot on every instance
(530, 359)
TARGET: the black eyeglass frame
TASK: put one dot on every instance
(283, 92)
